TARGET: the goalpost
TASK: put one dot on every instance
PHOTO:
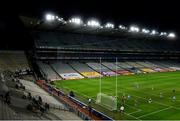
(107, 101)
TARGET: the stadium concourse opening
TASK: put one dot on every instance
(67, 67)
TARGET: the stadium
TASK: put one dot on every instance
(84, 69)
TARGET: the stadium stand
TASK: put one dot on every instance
(143, 64)
(160, 64)
(124, 65)
(116, 68)
(172, 64)
(111, 66)
(65, 48)
(147, 70)
(13, 60)
(17, 108)
(101, 69)
(134, 64)
(84, 70)
(80, 67)
(6, 112)
(97, 66)
(135, 67)
(57, 40)
(35, 90)
(65, 70)
(47, 72)
(163, 66)
(20, 101)
(91, 74)
(150, 64)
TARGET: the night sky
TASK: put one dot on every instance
(155, 14)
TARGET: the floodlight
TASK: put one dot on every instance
(163, 34)
(101, 27)
(60, 19)
(146, 31)
(109, 25)
(134, 29)
(122, 27)
(75, 20)
(171, 35)
(93, 23)
(50, 17)
(154, 32)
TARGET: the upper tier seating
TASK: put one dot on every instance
(84, 41)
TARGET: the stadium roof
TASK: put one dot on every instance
(52, 22)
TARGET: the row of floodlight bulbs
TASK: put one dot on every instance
(95, 23)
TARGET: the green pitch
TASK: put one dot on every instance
(157, 86)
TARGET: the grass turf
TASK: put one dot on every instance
(150, 86)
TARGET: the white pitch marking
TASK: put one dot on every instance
(135, 112)
(153, 101)
(133, 116)
(155, 112)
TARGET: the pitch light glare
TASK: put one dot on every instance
(146, 31)
(109, 25)
(60, 19)
(154, 32)
(93, 23)
(171, 35)
(122, 27)
(76, 20)
(163, 34)
(50, 17)
(134, 29)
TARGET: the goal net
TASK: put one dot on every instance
(108, 102)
